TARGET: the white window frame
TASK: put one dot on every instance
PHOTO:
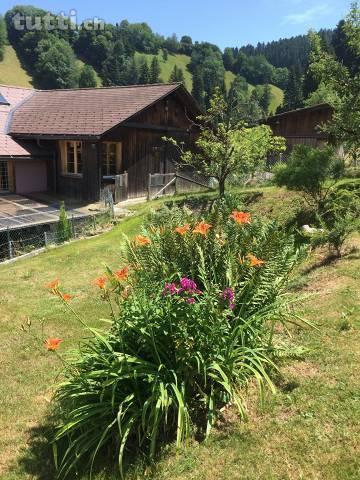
(64, 158)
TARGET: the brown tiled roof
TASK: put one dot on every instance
(84, 112)
(14, 96)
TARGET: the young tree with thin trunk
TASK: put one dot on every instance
(226, 146)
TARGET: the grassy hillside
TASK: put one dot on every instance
(167, 67)
(80, 64)
(11, 72)
(277, 98)
(182, 61)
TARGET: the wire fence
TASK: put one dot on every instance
(18, 242)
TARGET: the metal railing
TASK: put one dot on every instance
(17, 242)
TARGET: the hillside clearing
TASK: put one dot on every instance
(11, 72)
(297, 435)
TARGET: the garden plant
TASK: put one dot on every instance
(194, 311)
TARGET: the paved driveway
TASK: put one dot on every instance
(17, 211)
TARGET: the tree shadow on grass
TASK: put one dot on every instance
(332, 258)
(37, 459)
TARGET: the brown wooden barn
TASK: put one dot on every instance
(302, 125)
(88, 136)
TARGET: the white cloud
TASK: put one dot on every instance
(307, 15)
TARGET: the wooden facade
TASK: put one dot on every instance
(143, 150)
(302, 126)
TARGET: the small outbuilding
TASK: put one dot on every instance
(302, 126)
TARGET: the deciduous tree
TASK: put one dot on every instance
(226, 146)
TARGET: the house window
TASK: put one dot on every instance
(72, 158)
(4, 176)
(111, 159)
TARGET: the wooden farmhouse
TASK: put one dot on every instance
(75, 142)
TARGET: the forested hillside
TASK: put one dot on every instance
(125, 53)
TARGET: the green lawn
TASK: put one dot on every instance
(308, 430)
(11, 72)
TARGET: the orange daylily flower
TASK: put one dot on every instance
(122, 274)
(66, 297)
(241, 217)
(255, 262)
(52, 344)
(142, 241)
(202, 228)
(182, 230)
(101, 282)
(53, 285)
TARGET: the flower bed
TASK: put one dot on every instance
(194, 308)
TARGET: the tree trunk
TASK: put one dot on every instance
(221, 187)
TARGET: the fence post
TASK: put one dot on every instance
(9, 243)
(149, 187)
(126, 185)
(176, 182)
(72, 226)
(45, 239)
(94, 223)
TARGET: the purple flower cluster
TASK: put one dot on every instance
(187, 287)
(228, 295)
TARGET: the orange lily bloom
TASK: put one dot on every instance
(255, 262)
(142, 241)
(122, 274)
(202, 228)
(241, 217)
(66, 297)
(54, 285)
(52, 344)
(101, 282)
(182, 230)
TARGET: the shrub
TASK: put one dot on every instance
(63, 226)
(341, 218)
(196, 316)
(308, 170)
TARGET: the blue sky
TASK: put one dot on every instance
(225, 23)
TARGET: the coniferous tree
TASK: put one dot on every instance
(144, 73)
(228, 59)
(87, 78)
(198, 88)
(343, 51)
(177, 75)
(165, 54)
(131, 71)
(155, 70)
(265, 99)
(293, 97)
(113, 67)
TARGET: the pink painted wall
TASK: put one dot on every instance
(30, 176)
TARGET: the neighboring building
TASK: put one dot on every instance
(20, 160)
(302, 125)
(74, 142)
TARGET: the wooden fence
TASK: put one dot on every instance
(184, 181)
